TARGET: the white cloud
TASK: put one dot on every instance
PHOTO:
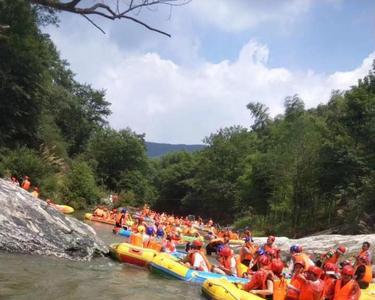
(239, 15)
(176, 103)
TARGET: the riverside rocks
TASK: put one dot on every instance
(29, 225)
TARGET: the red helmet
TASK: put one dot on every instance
(226, 252)
(330, 267)
(197, 243)
(347, 270)
(277, 266)
(263, 260)
(341, 249)
(315, 270)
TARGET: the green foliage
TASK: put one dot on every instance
(79, 188)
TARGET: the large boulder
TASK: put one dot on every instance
(29, 225)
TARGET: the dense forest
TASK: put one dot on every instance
(299, 172)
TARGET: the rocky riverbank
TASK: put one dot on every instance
(29, 225)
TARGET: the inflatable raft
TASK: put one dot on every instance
(65, 209)
(222, 289)
(122, 231)
(166, 266)
(130, 254)
(91, 217)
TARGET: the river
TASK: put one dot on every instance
(40, 277)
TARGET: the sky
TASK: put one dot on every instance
(222, 55)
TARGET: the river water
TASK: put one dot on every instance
(38, 277)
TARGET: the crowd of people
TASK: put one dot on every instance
(25, 183)
(327, 276)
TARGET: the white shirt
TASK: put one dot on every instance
(199, 262)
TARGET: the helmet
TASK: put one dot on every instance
(271, 238)
(347, 270)
(298, 260)
(277, 266)
(160, 232)
(149, 230)
(293, 249)
(247, 240)
(261, 251)
(123, 211)
(226, 252)
(141, 229)
(197, 243)
(330, 267)
(315, 270)
(263, 260)
(341, 249)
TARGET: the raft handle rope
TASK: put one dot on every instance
(229, 292)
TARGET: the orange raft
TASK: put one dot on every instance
(91, 217)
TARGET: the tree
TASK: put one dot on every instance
(260, 114)
(114, 10)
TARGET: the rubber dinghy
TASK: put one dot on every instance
(164, 265)
(222, 289)
(122, 232)
(91, 217)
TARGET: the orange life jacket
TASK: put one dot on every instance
(258, 281)
(333, 259)
(293, 294)
(364, 254)
(328, 282)
(304, 257)
(26, 184)
(345, 292)
(367, 277)
(310, 292)
(119, 218)
(279, 289)
(136, 240)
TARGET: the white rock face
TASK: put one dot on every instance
(29, 225)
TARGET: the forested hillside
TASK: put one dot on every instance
(160, 149)
(299, 172)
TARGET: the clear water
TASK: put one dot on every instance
(38, 277)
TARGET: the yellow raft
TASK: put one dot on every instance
(64, 208)
(222, 289)
(131, 254)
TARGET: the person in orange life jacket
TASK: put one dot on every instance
(26, 183)
(332, 256)
(168, 245)
(227, 262)
(295, 282)
(270, 244)
(196, 259)
(312, 286)
(346, 288)
(247, 252)
(120, 218)
(364, 255)
(262, 280)
(363, 273)
(331, 273)
(253, 267)
(300, 255)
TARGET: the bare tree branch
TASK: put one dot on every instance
(108, 11)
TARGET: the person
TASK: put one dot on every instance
(261, 282)
(247, 251)
(169, 246)
(331, 273)
(35, 192)
(363, 273)
(120, 218)
(295, 282)
(269, 245)
(26, 183)
(196, 258)
(298, 254)
(364, 255)
(312, 286)
(227, 262)
(346, 288)
(14, 181)
(332, 256)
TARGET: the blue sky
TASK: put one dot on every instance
(222, 55)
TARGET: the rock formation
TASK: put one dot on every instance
(29, 225)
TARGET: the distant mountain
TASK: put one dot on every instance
(160, 149)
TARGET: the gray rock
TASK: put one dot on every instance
(29, 225)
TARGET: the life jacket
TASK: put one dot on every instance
(26, 184)
(344, 292)
(118, 219)
(247, 256)
(332, 259)
(136, 240)
(267, 248)
(311, 290)
(367, 277)
(170, 246)
(226, 262)
(304, 257)
(258, 281)
(293, 294)
(364, 254)
(328, 282)
(279, 288)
